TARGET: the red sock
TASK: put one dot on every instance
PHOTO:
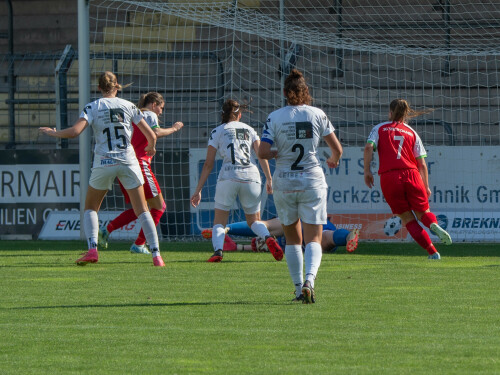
(124, 218)
(428, 218)
(420, 236)
(156, 214)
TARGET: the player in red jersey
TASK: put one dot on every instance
(151, 104)
(403, 174)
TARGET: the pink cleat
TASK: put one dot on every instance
(158, 261)
(229, 244)
(90, 256)
(274, 248)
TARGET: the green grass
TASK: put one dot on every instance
(384, 310)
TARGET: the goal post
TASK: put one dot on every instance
(356, 57)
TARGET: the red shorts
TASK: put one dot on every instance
(404, 190)
(151, 187)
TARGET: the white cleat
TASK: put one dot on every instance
(441, 233)
(434, 256)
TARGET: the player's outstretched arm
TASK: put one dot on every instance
(71, 132)
(163, 132)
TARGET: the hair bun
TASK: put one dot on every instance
(295, 73)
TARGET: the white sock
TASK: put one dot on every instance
(218, 235)
(260, 229)
(312, 255)
(91, 227)
(294, 261)
(149, 229)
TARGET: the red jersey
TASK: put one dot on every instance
(139, 141)
(398, 146)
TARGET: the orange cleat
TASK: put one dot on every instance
(207, 233)
(352, 240)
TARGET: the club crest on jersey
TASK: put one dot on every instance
(303, 130)
(242, 134)
(116, 115)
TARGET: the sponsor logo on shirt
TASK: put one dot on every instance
(303, 130)
(389, 129)
(242, 134)
(107, 162)
(116, 115)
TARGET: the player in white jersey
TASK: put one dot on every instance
(239, 177)
(111, 119)
(292, 135)
(151, 105)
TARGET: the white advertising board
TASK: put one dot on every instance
(464, 181)
(65, 225)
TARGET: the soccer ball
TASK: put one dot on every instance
(392, 226)
(259, 245)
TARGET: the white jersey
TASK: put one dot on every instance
(111, 120)
(296, 132)
(234, 142)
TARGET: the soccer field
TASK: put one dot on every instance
(384, 309)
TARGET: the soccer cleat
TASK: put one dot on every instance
(308, 292)
(139, 249)
(299, 299)
(229, 244)
(441, 233)
(102, 237)
(207, 233)
(352, 240)
(434, 256)
(90, 256)
(158, 261)
(274, 248)
(254, 245)
(217, 257)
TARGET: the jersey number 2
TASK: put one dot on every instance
(295, 165)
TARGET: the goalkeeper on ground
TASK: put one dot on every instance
(331, 239)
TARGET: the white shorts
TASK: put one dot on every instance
(249, 194)
(130, 175)
(309, 206)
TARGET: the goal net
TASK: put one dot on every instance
(356, 56)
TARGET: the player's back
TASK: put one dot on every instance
(234, 143)
(296, 132)
(398, 146)
(111, 120)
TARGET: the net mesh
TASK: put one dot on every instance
(356, 56)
